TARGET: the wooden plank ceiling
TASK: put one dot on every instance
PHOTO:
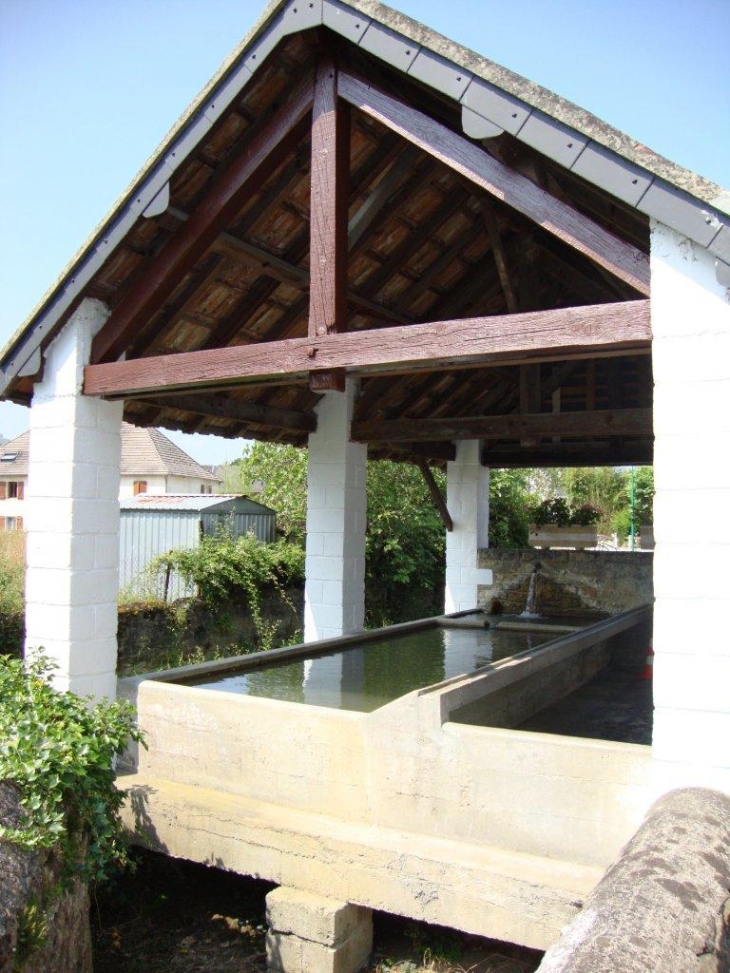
(336, 220)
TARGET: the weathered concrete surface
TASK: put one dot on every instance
(568, 581)
(664, 906)
(311, 933)
(471, 886)
(28, 879)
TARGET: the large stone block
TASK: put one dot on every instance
(310, 933)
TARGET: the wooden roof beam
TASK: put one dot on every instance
(528, 428)
(227, 408)
(606, 453)
(535, 336)
(243, 176)
(463, 156)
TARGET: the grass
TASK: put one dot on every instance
(12, 570)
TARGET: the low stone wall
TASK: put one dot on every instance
(568, 582)
(147, 633)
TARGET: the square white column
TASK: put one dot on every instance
(690, 313)
(73, 516)
(467, 499)
(334, 593)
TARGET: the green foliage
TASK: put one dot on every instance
(12, 599)
(558, 512)
(283, 472)
(405, 537)
(223, 566)
(405, 543)
(59, 750)
(509, 521)
(644, 495)
(553, 510)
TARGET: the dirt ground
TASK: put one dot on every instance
(178, 917)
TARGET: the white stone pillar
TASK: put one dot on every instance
(690, 313)
(467, 499)
(334, 593)
(73, 516)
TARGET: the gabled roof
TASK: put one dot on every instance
(14, 456)
(149, 452)
(428, 240)
(145, 452)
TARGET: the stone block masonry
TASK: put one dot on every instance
(467, 499)
(334, 598)
(690, 316)
(73, 516)
(311, 933)
(568, 582)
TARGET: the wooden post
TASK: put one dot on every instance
(328, 217)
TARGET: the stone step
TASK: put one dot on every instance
(481, 889)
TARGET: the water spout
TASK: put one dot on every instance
(531, 603)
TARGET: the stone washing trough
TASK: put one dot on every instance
(428, 806)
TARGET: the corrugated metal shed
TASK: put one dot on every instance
(153, 525)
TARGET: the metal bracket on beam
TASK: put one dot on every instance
(159, 204)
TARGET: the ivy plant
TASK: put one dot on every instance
(59, 750)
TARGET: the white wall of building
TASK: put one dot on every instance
(690, 314)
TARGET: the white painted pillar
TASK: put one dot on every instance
(690, 314)
(73, 516)
(334, 593)
(467, 499)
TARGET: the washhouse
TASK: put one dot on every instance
(365, 239)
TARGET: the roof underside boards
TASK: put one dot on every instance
(472, 279)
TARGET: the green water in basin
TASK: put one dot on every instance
(363, 678)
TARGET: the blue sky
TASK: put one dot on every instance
(88, 88)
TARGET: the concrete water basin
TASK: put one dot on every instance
(428, 804)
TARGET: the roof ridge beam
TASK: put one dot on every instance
(510, 187)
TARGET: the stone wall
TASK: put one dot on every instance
(149, 632)
(40, 928)
(568, 582)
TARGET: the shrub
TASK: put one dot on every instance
(222, 567)
(59, 751)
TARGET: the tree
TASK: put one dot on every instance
(508, 509)
(282, 471)
(404, 560)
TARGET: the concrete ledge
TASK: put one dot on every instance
(476, 888)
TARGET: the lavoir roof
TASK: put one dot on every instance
(356, 194)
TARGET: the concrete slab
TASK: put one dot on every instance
(475, 888)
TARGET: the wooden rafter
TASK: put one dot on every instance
(248, 170)
(225, 408)
(527, 428)
(537, 335)
(578, 231)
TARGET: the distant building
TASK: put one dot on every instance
(150, 463)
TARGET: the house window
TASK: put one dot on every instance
(12, 489)
(140, 486)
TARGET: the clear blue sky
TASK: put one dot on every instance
(88, 88)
